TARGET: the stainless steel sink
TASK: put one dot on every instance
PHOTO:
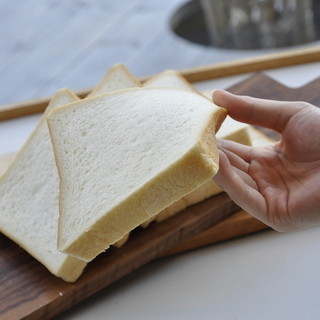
(248, 24)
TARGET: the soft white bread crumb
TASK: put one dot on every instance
(29, 192)
(124, 157)
(118, 77)
(230, 129)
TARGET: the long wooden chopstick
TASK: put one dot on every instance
(253, 64)
(241, 66)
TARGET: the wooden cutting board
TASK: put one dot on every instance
(29, 291)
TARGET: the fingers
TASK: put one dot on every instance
(241, 188)
(239, 158)
(246, 178)
(236, 161)
(266, 113)
(243, 151)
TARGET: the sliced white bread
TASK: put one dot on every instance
(30, 189)
(169, 78)
(230, 130)
(29, 195)
(125, 156)
(118, 77)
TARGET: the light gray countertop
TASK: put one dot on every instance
(49, 44)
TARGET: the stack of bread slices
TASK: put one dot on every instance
(125, 156)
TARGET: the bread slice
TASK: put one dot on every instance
(125, 156)
(169, 78)
(230, 130)
(118, 77)
(29, 191)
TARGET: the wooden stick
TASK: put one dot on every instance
(253, 64)
(219, 70)
(28, 107)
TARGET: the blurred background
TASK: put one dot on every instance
(49, 44)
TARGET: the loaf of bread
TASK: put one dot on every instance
(29, 188)
(125, 156)
(151, 176)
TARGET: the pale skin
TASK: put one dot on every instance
(278, 184)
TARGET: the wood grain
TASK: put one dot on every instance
(272, 89)
(29, 291)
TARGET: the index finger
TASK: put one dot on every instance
(261, 112)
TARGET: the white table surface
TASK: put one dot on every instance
(54, 43)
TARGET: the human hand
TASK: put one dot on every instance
(278, 184)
